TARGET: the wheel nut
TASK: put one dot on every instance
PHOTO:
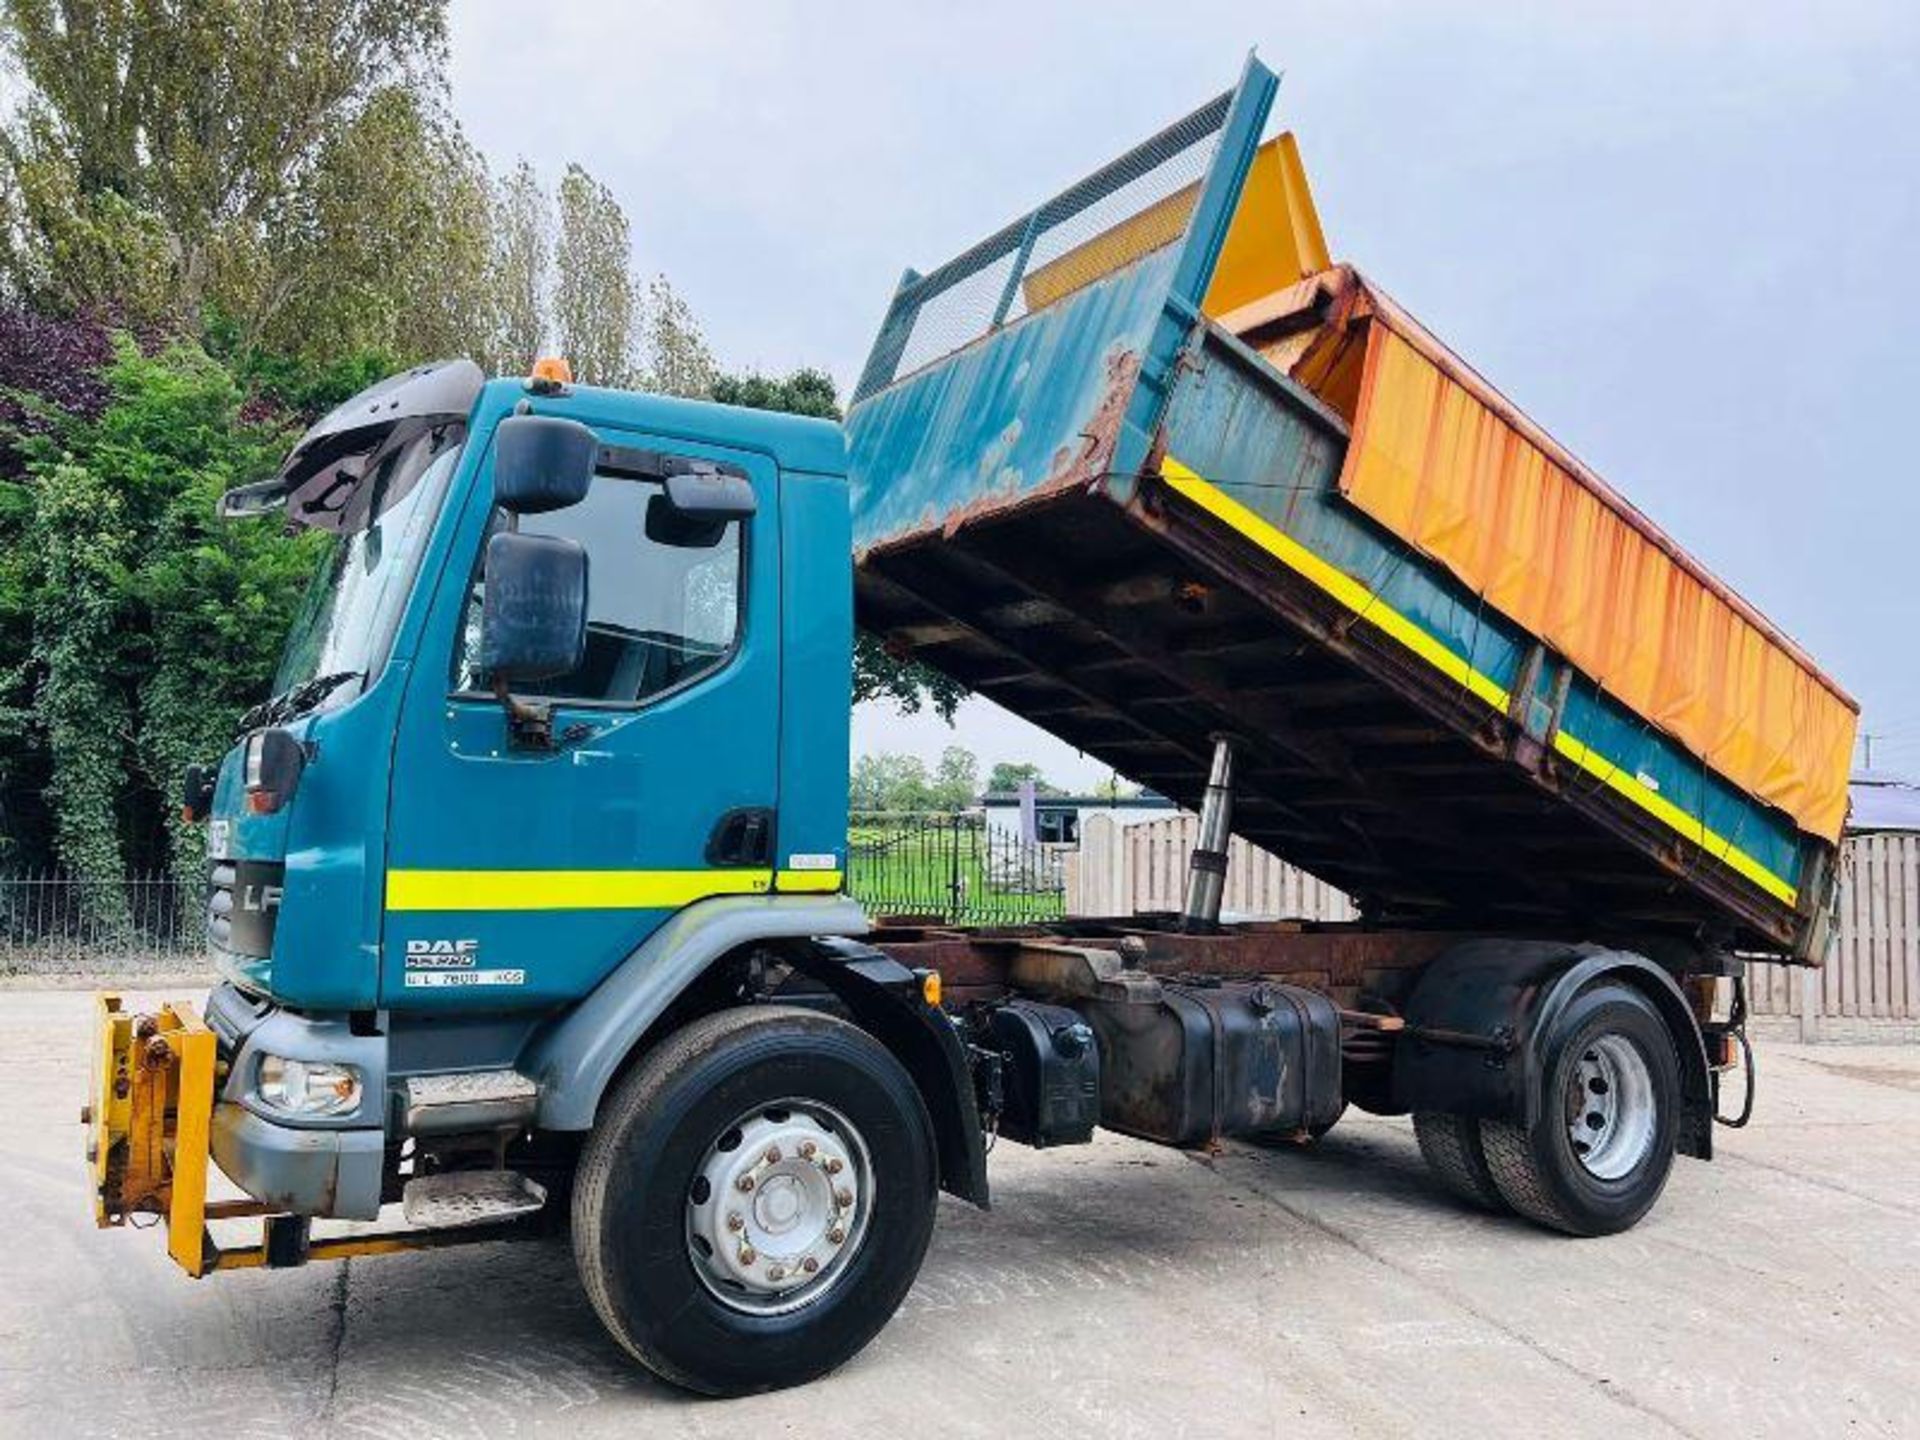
(843, 1197)
(773, 1154)
(744, 1183)
(776, 1273)
(836, 1235)
(807, 1149)
(833, 1167)
(748, 1255)
(735, 1223)
(809, 1265)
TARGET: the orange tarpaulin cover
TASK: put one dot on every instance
(1447, 471)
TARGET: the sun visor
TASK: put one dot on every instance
(320, 481)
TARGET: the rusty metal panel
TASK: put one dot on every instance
(1033, 409)
(980, 395)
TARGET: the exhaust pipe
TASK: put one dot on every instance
(1207, 871)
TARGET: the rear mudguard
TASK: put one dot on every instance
(1480, 1014)
(885, 999)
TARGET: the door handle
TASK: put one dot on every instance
(742, 837)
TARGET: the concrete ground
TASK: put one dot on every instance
(1117, 1289)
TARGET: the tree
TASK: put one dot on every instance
(890, 782)
(804, 392)
(521, 257)
(388, 245)
(1008, 777)
(956, 780)
(677, 361)
(78, 533)
(159, 150)
(593, 298)
(150, 626)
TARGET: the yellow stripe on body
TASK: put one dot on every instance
(566, 889)
(1714, 843)
(809, 881)
(1364, 603)
(1336, 582)
(410, 890)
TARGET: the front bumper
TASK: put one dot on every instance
(334, 1173)
(319, 1167)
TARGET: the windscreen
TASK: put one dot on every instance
(345, 624)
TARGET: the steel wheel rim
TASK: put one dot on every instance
(779, 1207)
(1612, 1114)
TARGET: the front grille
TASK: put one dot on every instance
(243, 906)
(220, 905)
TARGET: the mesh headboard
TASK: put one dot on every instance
(1144, 201)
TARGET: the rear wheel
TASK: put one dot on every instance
(1599, 1152)
(755, 1200)
(1450, 1144)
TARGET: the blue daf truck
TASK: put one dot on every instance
(528, 885)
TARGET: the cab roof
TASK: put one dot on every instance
(793, 442)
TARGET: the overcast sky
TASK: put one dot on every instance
(1684, 236)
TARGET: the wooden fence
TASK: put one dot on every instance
(1129, 869)
(1869, 987)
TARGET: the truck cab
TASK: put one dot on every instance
(405, 861)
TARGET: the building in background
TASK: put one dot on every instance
(1882, 804)
(1057, 819)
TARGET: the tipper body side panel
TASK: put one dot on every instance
(1133, 532)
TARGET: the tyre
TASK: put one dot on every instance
(1600, 1152)
(1450, 1144)
(755, 1200)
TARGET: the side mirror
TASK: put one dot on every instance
(542, 463)
(694, 508)
(533, 619)
(272, 765)
(711, 495)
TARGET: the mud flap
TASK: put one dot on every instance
(885, 999)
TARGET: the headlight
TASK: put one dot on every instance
(308, 1087)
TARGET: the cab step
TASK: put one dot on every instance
(470, 1101)
(469, 1197)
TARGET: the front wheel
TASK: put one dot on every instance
(1598, 1154)
(755, 1200)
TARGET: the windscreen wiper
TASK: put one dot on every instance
(297, 701)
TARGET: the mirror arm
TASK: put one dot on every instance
(529, 725)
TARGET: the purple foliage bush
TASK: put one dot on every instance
(59, 362)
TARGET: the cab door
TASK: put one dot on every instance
(519, 876)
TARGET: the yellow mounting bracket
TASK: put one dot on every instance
(149, 1123)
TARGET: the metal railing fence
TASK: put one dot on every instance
(956, 868)
(959, 869)
(55, 923)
